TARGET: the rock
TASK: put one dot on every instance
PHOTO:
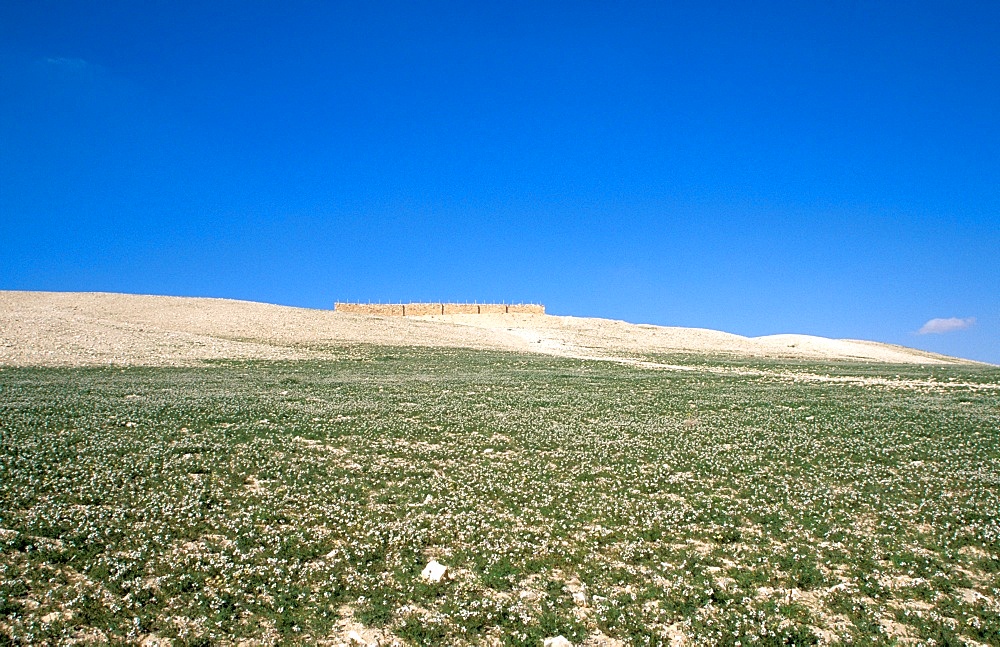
(55, 616)
(434, 572)
(558, 641)
(152, 640)
(355, 638)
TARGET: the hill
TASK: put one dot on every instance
(67, 329)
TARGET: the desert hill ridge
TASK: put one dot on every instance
(95, 328)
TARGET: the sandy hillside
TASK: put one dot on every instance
(59, 329)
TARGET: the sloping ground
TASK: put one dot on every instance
(583, 337)
(54, 328)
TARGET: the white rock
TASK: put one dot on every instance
(57, 615)
(435, 571)
(558, 641)
(152, 640)
(580, 598)
(355, 638)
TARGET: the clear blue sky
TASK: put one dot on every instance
(822, 168)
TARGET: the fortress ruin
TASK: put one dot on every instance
(416, 309)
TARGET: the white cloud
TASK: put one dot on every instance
(951, 324)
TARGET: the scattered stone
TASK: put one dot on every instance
(55, 616)
(351, 633)
(676, 635)
(599, 639)
(558, 641)
(152, 640)
(434, 572)
(971, 596)
(578, 590)
(355, 638)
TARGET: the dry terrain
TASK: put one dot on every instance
(66, 329)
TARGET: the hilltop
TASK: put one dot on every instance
(89, 328)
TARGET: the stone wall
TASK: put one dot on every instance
(422, 309)
(383, 309)
(526, 308)
(415, 309)
(461, 309)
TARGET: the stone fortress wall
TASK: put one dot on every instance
(415, 309)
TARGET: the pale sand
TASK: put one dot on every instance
(74, 329)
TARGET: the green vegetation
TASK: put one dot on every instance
(731, 504)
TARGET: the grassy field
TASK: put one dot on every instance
(737, 503)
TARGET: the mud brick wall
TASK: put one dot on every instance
(461, 309)
(492, 309)
(422, 309)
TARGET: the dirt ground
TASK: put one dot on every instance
(74, 328)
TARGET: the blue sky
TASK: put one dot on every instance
(820, 168)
